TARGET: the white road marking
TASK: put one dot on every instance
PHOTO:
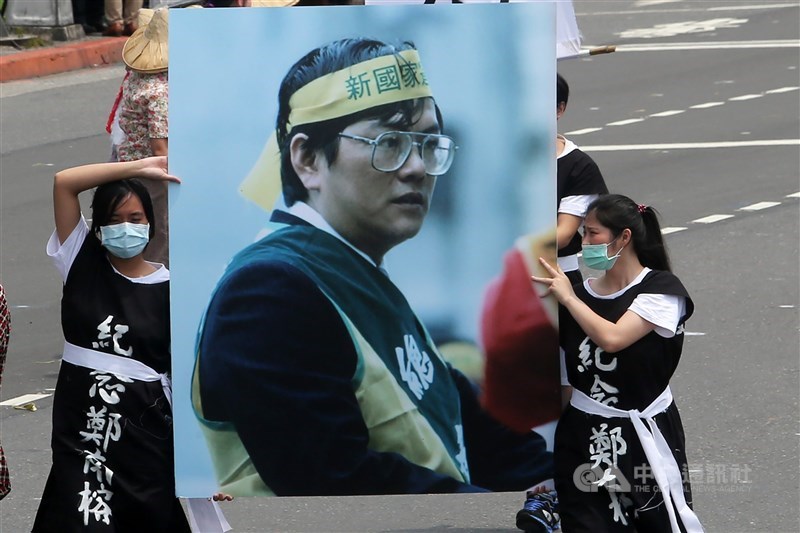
(583, 131)
(625, 122)
(667, 231)
(672, 29)
(793, 195)
(750, 7)
(706, 105)
(693, 334)
(710, 219)
(646, 3)
(669, 113)
(782, 90)
(745, 97)
(25, 398)
(787, 306)
(672, 112)
(718, 45)
(686, 146)
(678, 10)
(759, 206)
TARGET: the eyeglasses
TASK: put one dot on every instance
(390, 150)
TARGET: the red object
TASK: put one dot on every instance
(117, 100)
(522, 383)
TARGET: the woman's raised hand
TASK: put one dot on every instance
(155, 168)
(558, 284)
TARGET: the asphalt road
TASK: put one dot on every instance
(697, 114)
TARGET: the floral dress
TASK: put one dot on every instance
(142, 113)
(142, 117)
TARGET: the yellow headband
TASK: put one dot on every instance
(378, 81)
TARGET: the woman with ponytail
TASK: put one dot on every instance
(620, 459)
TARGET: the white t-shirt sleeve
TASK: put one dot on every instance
(663, 310)
(63, 254)
(576, 205)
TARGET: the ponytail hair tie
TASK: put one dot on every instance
(642, 208)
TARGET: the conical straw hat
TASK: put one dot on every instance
(143, 17)
(147, 49)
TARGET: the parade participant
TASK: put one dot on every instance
(622, 334)
(112, 418)
(143, 114)
(578, 183)
(314, 376)
(121, 17)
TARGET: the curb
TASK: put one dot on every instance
(35, 63)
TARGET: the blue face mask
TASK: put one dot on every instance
(595, 256)
(125, 240)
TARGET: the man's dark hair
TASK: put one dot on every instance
(562, 90)
(109, 196)
(324, 135)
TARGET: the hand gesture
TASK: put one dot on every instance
(155, 168)
(558, 284)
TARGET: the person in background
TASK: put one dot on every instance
(622, 334)
(579, 182)
(143, 115)
(5, 331)
(121, 17)
(89, 14)
(116, 135)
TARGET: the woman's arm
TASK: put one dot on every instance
(610, 336)
(69, 183)
(566, 227)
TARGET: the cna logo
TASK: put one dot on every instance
(589, 479)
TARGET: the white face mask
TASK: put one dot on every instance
(125, 240)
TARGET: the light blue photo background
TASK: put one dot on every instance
(492, 70)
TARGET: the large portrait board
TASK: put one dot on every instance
(491, 69)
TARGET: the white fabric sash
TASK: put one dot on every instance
(114, 364)
(204, 515)
(665, 469)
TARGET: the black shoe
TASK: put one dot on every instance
(91, 28)
(539, 514)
